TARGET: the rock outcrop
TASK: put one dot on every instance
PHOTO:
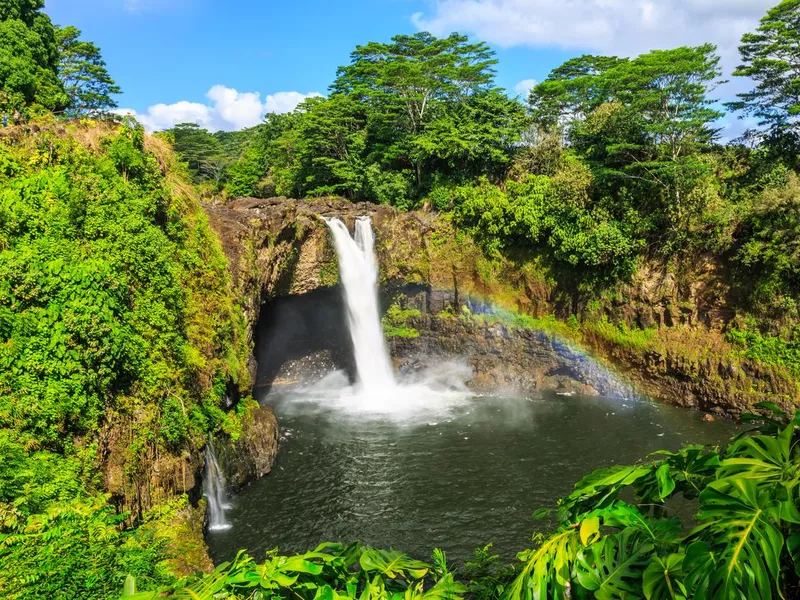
(252, 455)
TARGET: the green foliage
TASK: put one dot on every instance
(75, 550)
(622, 335)
(28, 58)
(330, 571)
(770, 253)
(542, 212)
(83, 74)
(115, 310)
(740, 549)
(395, 322)
(200, 151)
(769, 57)
(770, 350)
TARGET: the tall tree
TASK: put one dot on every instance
(571, 91)
(406, 81)
(323, 153)
(771, 58)
(28, 57)
(670, 90)
(83, 74)
(476, 137)
(199, 149)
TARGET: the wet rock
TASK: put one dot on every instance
(252, 455)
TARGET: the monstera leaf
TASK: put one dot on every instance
(737, 548)
(548, 569)
(763, 459)
(663, 578)
(612, 567)
(687, 471)
(599, 489)
(662, 533)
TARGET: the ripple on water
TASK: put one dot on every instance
(407, 478)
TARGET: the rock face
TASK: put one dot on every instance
(279, 247)
(504, 359)
(715, 383)
(252, 455)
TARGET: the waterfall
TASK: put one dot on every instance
(214, 490)
(358, 269)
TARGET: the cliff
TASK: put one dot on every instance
(663, 331)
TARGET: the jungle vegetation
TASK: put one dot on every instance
(116, 309)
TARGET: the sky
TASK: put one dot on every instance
(224, 64)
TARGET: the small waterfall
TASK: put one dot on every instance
(214, 490)
(358, 269)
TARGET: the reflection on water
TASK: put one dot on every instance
(457, 475)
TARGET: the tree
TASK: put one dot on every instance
(253, 152)
(669, 89)
(323, 153)
(771, 58)
(406, 82)
(571, 91)
(83, 74)
(28, 57)
(475, 137)
(197, 148)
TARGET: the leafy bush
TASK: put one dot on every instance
(550, 214)
(330, 571)
(769, 350)
(108, 282)
(395, 322)
(770, 250)
(389, 187)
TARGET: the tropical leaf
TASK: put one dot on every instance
(548, 569)
(661, 532)
(663, 578)
(613, 566)
(598, 489)
(392, 564)
(793, 545)
(738, 545)
(764, 459)
(687, 471)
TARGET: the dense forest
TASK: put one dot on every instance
(116, 308)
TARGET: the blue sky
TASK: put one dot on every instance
(222, 64)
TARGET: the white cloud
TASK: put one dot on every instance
(622, 27)
(524, 87)
(227, 110)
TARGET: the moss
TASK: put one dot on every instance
(180, 527)
(329, 271)
(622, 335)
(393, 331)
(395, 322)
